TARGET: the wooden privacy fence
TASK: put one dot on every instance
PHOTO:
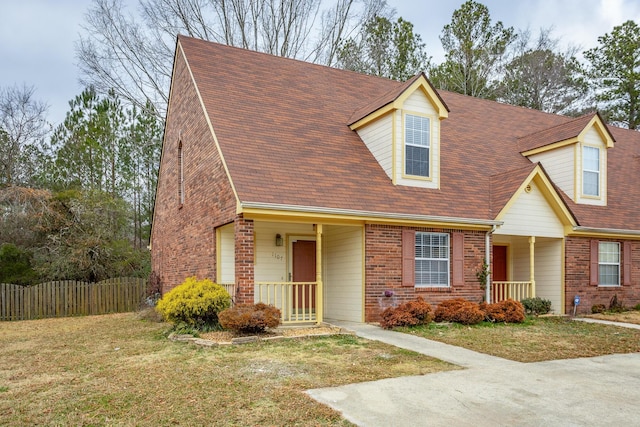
(71, 298)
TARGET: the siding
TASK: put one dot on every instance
(343, 267)
(548, 271)
(270, 260)
(531, 215)
(377, 138)
(227, 269)
(560, 166)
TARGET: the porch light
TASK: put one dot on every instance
(279, 241)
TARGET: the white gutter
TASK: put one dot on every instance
(606, 230)
(373, 214)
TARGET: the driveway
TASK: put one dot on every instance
(597, 391)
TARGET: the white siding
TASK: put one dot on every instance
(592, 138)
(548, 271)
(560, 166)
(343, 268)
(227, 269)
(531, 215)
(271, 260)
(418, 103)
(520, 271)
(377, 138)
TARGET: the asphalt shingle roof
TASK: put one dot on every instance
(283, 129)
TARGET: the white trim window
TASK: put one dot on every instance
(432, 259)
(417, 145)
(609, 264)
(591, 171)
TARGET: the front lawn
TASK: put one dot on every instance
(626, 316)
(118, 370)
(537, 339)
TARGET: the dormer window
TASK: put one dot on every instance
(417, 142)
(591, 171)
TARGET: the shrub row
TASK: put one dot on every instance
(457, 310)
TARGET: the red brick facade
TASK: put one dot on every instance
(184, 236)
(577, 276)
(383, 270)
(244, 247)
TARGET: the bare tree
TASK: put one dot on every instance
(132, 55)
(542, 76)
(23, 128)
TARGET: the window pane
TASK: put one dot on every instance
(591, 171)
(432, 259)
(609, 263)
(417, 145)
(591, 159)
(590, 184)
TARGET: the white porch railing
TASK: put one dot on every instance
(296, 300)
(511, 290)
(231, 288)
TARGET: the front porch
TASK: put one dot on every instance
(307, 270)
(527, 267)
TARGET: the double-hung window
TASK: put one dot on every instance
(591, 171)
(432, 259)
(417, 145)
(609, 264)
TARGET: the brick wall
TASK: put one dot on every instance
(383, 254)
(577, 261)
(244, 252)
(183, 236)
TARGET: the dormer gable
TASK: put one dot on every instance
(575, 156)
(402, 131)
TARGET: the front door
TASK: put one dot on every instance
(304, 270)
(499, 273)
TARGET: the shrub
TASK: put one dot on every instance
(459, 310)
(194, 302)
(536, 305)
(598, 308)
(508, 311)
(410, 313)
(250, 318)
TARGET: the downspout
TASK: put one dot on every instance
(487, 251)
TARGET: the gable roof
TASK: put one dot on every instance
(283, 128)
(568, 132)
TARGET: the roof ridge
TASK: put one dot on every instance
(570, 121)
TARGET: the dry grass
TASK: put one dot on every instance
(537, 339)
(117, 370)
(626, 317)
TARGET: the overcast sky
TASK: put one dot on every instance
(37, 37)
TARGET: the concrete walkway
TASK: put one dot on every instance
(598, 391)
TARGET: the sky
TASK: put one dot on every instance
(38, 37)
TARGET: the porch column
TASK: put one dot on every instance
(532, 278)
(319, 291)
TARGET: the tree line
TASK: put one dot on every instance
(76, 199)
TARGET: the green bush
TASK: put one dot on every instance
(536, 305)
(507, 311)
(194, 302)
(459, 310)
(250, 318)
(410, 313)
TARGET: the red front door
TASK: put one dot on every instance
(304, 270)
(499, 273)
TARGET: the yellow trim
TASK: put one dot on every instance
(602, 161)
(363, 281)
(218, 256)
(432, 143)
(549, 193)
(550, 147)
(394, 136)
(338, 219)
(600, 128)
(420, 83)
(562, 277)
(601, 234)
(206, 115)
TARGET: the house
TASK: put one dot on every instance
(333, 195)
